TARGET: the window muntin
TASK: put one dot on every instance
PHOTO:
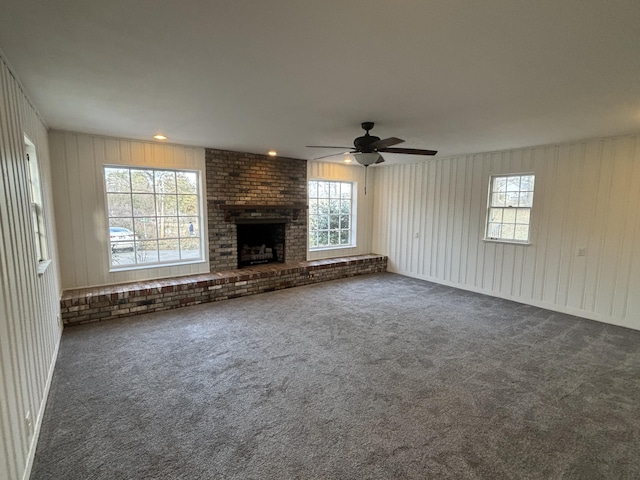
(153, 216)
(331, 214)
(509, 210)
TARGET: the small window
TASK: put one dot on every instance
(331, 214)
(154, 217)
(35, 197)
(509, 211)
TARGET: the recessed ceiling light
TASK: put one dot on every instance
(272, 153)
(159, 137)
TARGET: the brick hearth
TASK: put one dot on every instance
(87, 305)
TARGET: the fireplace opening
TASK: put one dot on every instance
(260, 243)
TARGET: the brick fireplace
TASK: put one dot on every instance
(247, 190)
(243, 191)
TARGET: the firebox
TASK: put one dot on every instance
(260, 241)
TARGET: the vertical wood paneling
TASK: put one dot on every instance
(631, 235)
(29, 302)
(396, 220)
(364, 204)
(100, 158)
(632, 305)
(610, 267)
(88, 190)
(458, 223)
(544, 196)
(430, 218)
(402, 217)
(382, 223)
(562, 215)
(475, 187)
(12, 391)
(417, 216)
(587, 196)
(80, 205)
(81, 263)
(596, 239)
(422, 199)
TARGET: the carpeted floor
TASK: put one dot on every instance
(376, 377)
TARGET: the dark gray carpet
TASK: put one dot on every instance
(377, 377)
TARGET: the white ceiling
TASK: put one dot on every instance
(251, 75)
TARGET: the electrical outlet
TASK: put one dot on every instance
(29, 423)
(416, 235)
(582, 252)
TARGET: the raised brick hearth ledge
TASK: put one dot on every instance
(86, 305)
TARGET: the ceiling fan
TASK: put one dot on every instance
(367, 148)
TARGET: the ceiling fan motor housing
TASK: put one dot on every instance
(363, 144)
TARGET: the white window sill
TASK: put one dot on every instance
(510, 242)
(332, 247)
(144, 266)
(42, 267)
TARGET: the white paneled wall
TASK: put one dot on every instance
(364, 204)
(430, 219)
(80, 203)
(30, 327)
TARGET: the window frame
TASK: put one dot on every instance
(201, 229)
(36, 204)
(352, 216)
(490, 206)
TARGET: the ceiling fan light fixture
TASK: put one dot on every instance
(367, 159)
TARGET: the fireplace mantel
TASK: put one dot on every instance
(261, 208)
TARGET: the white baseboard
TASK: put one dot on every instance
(36, 431)
(527, 301)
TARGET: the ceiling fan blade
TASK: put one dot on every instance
(326, 146)
(409, 151)
(380, 160)
(331, 155)
(386, 142)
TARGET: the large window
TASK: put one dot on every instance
(331, 214)
(154, 216)
(509, 212)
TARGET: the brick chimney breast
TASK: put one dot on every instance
(246, 185)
